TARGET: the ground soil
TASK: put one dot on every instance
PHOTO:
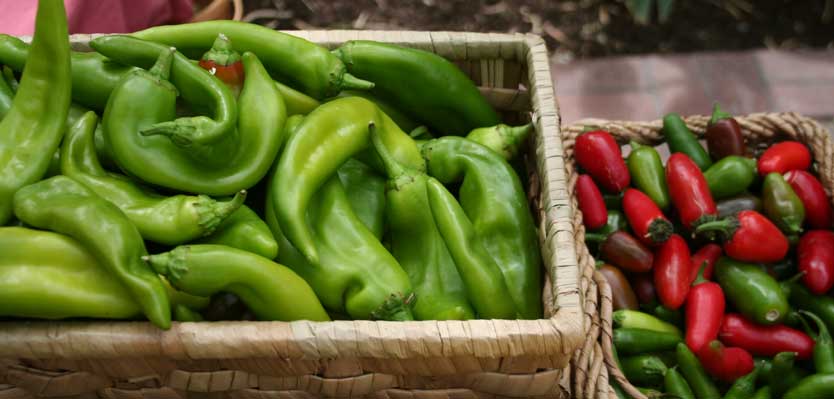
(576, 29)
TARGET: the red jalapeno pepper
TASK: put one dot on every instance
(749, 237)
(626, 252)
(672, 271)
(704, 312)
(809, 189)
(764, 340)
(645, 218)
(783, 157)
(816, 260)
(689, 191)
(599, 154)
(225, 63)
(706, 257)
(725, 363)
(594, 214)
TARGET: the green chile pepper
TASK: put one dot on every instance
(823, 346)
(752, 291)
(245, 230)
(421, 83)
(734, 205)
(698, 379)
(762, 393)
(675, 384)
(648, 174)
(644, 369)
(783, 374)
(237, 162)
(183, 313)
(616, 222)
(673, 317)
(636, 319)
(297, 102)
(503, 139)
(782, 205)
(405, 122)
(820, 305)
(419, 245)
(638, 340)
(62, 205)
(365, 190)
(32, 128)
(165, 220)
(51, 276)
(681, 139)
(730, 176)
(743, 387)
(272, 291)
(813, 386)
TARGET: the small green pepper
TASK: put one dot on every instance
(695, 375)
(744, 387)
(752, 291)
(644, 370)
(782, 205)
(730, 176)
(647, 173)
(681, 139)
(675, 384)
(638, 340)
(635, 319)
(813, 386)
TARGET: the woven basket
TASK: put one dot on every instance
(759, 130)
(428, 359)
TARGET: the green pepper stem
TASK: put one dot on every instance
(350, 82)
(635, 145)
(727, 227)
(162, 67)
(395, 308)
(392, 167)
(211, 213)
(718, 114)
(699, 279)
(222, 53)
(517, 134)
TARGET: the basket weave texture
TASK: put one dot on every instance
(759, 131)
(427, 359)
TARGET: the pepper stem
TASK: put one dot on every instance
(517, 134)
(718, 114)
(162, 68)
(350, 82)
(222, 53)
(392, 167)
(171, 264)
(726, 227)
(211, 213)
(635, 145)
(700, 279)
(395, 308)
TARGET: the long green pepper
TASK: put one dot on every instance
(647, 172)
(695, 375)
(675, 384)
(32, 129)
(681, 139)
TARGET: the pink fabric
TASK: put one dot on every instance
(17, 17)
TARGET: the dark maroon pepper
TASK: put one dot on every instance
(723, 135)
(626, 252)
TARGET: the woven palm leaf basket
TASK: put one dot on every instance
(759, 130)
(377, 359)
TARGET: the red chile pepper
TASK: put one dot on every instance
(725, 363)
(594, 214)
(225, 63)
(749, 237)
(645, 218)
(783, 157)
(599, 154)
(809, 189)
(689, 191)
(704, 312)
(723, 135)
(708, 253)
(626, 252)
(764, 340)
(672, 271)
(643, 285)
(816, 260)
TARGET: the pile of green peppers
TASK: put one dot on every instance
(226, 171)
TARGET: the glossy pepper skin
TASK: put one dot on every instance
(634, 341)
(599, 155)
(238, 162)
(245, 230)
(706, 257)
(752, 291)
(782, 205)
(503, 139)
(303, 65)
(420, 83)
(62, 205)
(692, 369)
(736, 330)
(749, 237)
(365, 190)
(324, 140)
(272, 291)
(594, 215)
(734, 205)
(675, 384)
(647, 173)
(809, 189)
(705, 306)
(723, 135)
(816, 260)
(672, 271)
(689, 191)
(682, 140)
(783, 157)
(726, 363)
(165, 220)
(32, 128)
(636, 319)
(730, 176)
(52, 276)
(626, 252)
(197, 87)
(622, 294)
(418, 243)
(224, 62)
(646, 219)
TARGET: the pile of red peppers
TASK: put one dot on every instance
(721, 261)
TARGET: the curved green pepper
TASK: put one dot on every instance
(165, 220)
(493, 198)
(245, 230)
(752, 291)
(237, 162)
(503, 139)
(782, 205)
(405, 122)
(32, 128)
(730, 176)
(51, 276)
(303, 65)
(647, 172)
(62, 205)
(681, 139)
(270, 290)
(420, 83)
